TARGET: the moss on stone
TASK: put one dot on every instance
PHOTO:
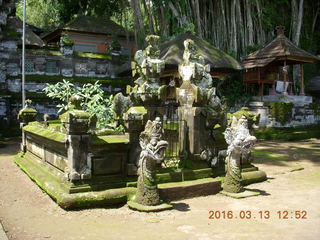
(47, 133)
(76, 200)
(92, 55)
(109, 139)
(281, 111)
(43, 52)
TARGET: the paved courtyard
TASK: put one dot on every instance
(289, 207)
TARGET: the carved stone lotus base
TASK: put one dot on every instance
(143, 208)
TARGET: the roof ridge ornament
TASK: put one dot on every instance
(280, 30)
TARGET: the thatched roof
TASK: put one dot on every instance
(172, 52)
(32, 39)
(281, 48)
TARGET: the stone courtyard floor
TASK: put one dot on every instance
(293, 185)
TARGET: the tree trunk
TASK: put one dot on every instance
(197, 17)
(138, 22)
(234, 27)
(296, 38)
(249, 23)
(149, 15)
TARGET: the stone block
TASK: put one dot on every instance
(55, 159)
(39, 60)
(2, 77)
(67, 72)
(112, 163)
(81, 68)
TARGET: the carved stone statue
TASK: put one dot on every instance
(149, 68)
(152, 153)
(200, 107)
(239, 142)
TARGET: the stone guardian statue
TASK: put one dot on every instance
(239, 142)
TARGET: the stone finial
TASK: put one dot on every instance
(280, 30)
(27, 114)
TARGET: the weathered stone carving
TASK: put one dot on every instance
(246, 157)
(77, 122)
(152, 153)
(239, 142)
(149, 68)
(200, 107)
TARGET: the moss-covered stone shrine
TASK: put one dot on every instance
(172, 146)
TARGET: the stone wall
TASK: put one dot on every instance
(302, 111)
(42, 67)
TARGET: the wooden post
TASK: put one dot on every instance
(259, 82)
(302, 80)
(285, 78)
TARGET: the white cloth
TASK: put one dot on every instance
(280, 86)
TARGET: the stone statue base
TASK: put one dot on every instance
(244, 194)
(147, 195)
(142, 208)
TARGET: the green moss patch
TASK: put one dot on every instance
(55, 189)
(281, 111)
(92, 55)
(47, 133)
(44, 52)
(110, 139)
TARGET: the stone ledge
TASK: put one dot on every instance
(76, 200)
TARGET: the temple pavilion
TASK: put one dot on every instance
(266, 71)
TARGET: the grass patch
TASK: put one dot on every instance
(270, 155)
(289, 134)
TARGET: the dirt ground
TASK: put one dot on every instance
(27, 213)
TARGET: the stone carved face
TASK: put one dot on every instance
(150, 140)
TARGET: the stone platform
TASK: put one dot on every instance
(108, 191)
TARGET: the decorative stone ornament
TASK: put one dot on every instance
(77, 122)
(152, 153)
(27, 114)
(200, 108)
(239, 142)
(149, 68)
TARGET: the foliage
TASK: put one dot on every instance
(118, 82)
(45, 14)
(94, 100)
(281, 111)
(232, 91)
(66, 40)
